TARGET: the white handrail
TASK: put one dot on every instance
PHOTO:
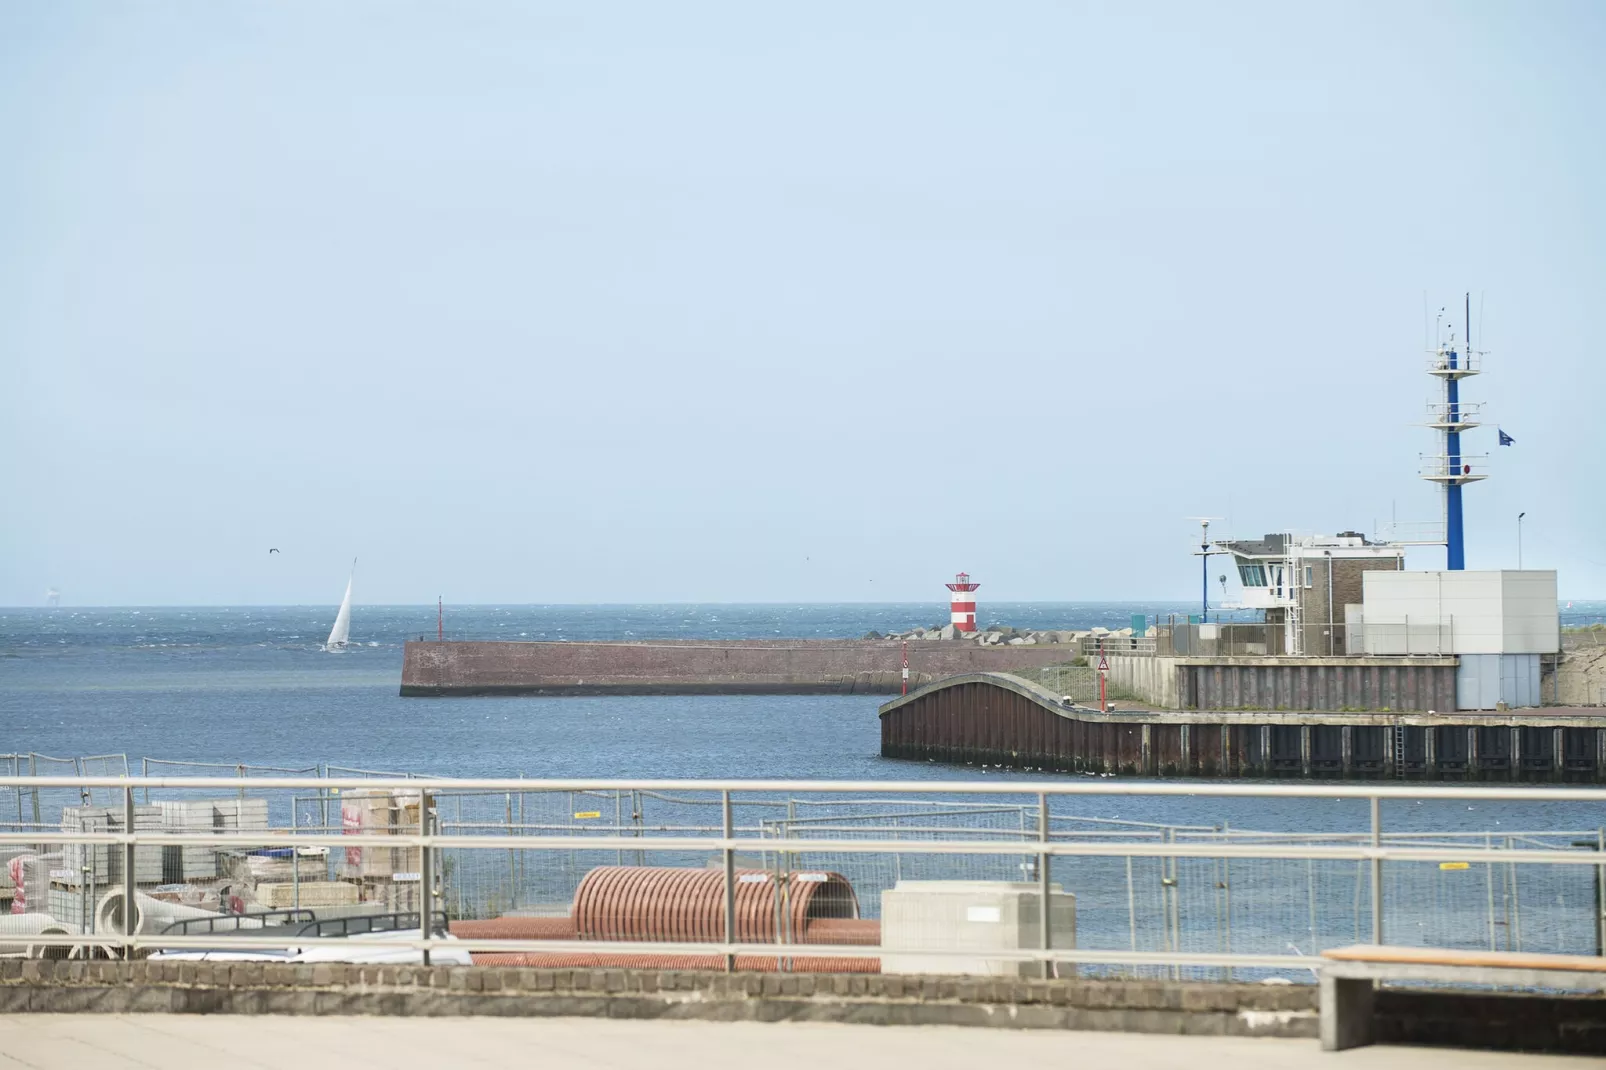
(1024, 786)
(771, 836)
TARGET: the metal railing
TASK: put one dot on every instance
(1094, 645)
(1039, 838)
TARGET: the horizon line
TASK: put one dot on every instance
(577, 605)
(616, 605)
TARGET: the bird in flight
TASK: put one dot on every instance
(273, 549)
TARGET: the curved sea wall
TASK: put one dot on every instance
(702, 667)
(1001, 720)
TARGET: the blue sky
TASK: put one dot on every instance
(730, 302)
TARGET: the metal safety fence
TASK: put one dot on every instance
(867, 873)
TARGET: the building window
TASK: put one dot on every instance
(1252, 575)
(1308, 571)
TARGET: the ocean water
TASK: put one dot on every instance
(251, 685)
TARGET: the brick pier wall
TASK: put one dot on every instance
(798, 666)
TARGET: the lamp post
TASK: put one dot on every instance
(1205, 554)
(1519, 540)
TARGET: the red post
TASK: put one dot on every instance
(906, 666)
(1103, 705)
(440, 619)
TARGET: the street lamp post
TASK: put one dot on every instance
(1519, 540)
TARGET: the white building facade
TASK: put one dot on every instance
(1498, 623)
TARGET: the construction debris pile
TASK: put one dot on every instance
(66, 889)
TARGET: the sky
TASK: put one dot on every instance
(636, 302)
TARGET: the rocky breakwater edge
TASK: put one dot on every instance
(1063, 660)
(1004, 635)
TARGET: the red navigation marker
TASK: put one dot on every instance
(1104, 663)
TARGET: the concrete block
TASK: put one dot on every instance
(101, 864)
(966, 919)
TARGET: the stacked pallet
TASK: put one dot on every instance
(71, 902)
(240, 815)
(181, 864)
(201, 817)
(379, 813)
(304, 864)
(102, 863)
(276, 895)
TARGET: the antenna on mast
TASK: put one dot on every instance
(1450, 361)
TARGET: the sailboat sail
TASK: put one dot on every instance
(340, 634)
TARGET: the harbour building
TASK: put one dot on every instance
(1355, 666)
(1303, 585)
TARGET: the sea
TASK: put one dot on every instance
(251, 685)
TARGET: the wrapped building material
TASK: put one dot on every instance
(379, 813)
(30, 879)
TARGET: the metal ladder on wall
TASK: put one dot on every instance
(1399, 751)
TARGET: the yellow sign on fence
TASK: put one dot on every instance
(582, 814)
(1455, 865)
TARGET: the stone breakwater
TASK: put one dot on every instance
(1001, 635)
(702, 667)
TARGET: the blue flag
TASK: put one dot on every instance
(1505, 439)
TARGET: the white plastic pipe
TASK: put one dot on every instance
(150, 915)
(28, 925)
(15, 925)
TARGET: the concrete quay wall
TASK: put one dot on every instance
(1532, 1022)
(35, 986)
(667, 667)
(1386, 685)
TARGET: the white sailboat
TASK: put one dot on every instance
(340, 634)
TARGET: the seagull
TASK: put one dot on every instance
(273, 549)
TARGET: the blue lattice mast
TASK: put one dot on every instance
(1451, 362)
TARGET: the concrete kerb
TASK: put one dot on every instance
(269, 988)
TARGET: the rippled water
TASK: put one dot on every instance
(250, 684)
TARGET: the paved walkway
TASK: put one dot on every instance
(214, 1042)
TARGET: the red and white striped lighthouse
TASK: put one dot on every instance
(963, 603)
